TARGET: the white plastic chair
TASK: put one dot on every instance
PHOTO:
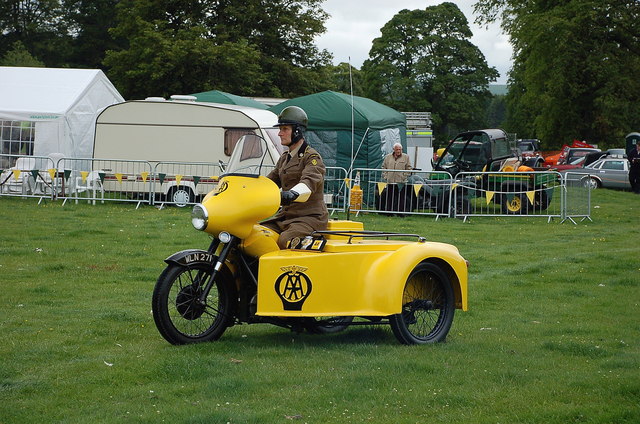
(55, 183)
(24, 183)
(90, 185)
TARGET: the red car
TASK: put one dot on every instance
(570, 157)
(575, 163)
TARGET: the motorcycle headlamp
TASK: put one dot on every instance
(199, 217)
(224, 237)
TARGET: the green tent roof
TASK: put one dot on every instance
(215, 96)
(330, 110)
(376, 127)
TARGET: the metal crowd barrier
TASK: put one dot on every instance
(141, 182)
(335, 189)
(417, 193)
(393, 192)
(105, 180)
(536, 193)
(182, 183)
(28, 176)
(577, 195)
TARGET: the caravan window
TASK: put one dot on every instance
(252, 149)
(275, 139)
(231, 137)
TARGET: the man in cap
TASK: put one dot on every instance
(300, 174)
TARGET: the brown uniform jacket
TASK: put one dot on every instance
(306, 167)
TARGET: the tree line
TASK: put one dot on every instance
(572, 75)
(575, 68)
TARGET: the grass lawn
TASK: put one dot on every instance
(552, 334)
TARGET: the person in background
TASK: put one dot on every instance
(393, 197)
(634, 168)
(300, 174)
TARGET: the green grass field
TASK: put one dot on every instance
(552, 334)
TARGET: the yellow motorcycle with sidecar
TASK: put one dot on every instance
(331, 280)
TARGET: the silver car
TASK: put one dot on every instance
(606, 172)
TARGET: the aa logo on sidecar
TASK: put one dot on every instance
(222, 187)
(293, 287)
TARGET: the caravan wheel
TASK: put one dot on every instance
(181, 196)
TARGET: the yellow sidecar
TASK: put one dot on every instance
(351, 275)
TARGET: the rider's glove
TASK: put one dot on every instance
(287, 197)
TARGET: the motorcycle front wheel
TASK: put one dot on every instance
(179, 315)
(427, 307)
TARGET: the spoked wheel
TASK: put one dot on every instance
(177, 311)
(427, 307)
(327, 325)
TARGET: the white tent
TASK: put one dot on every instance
(63, 104)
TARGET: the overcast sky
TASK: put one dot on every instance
(353, 24)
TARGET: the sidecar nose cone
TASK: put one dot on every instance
(199, 217)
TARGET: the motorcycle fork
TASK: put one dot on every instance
(248, 289)
(226, 249)
(214, 246)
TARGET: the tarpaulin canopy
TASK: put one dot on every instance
(63, 104)
(215, 96)
(332, 116)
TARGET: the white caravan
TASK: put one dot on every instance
(180, 139)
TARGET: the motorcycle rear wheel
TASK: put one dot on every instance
(427, 307)
(178, 315)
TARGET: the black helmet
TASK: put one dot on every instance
(293, 115)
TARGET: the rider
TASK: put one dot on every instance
(300, 173)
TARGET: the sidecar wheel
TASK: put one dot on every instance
(427, 307)
(327, 325)
(179, 317)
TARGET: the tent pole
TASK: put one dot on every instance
(352, 117)
(352, 134)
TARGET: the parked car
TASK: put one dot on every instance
(575, 152)
(617, 152)
(529, 149)
(567, 154)
(605, 172)
(578, 162)
(551, 158)
(611, 153)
